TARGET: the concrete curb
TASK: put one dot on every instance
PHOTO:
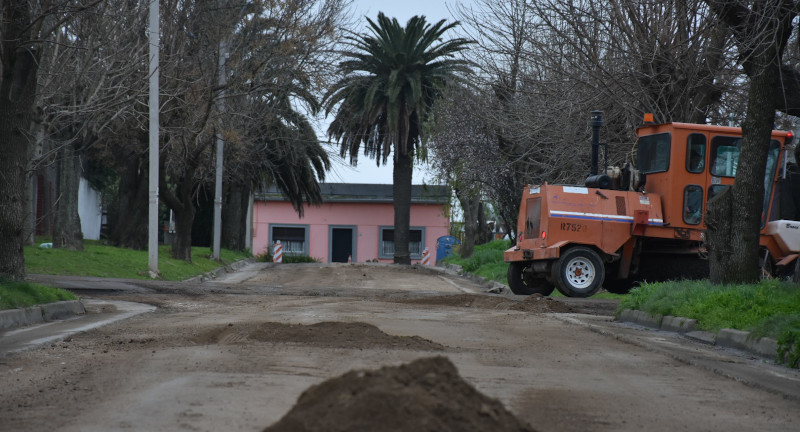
(725, 338)
(494, 287)
(40, 313)
(213, 274)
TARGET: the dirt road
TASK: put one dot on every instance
(235, 354)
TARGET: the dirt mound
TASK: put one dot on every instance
(324, 334)
(540, 304)
(535, 303)
(426, 395)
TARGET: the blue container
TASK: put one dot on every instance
(444, 247)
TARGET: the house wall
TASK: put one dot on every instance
(90, 210)
(367, 217)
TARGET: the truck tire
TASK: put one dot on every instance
(579, 272)
(523, 283)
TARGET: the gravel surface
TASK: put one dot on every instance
(238, 353)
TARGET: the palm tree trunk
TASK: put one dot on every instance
(403, 170)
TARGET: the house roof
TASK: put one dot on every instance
(360, 192)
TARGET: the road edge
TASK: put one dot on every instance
(726, 338)
(14, 318)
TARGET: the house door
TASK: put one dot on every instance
(341, 244)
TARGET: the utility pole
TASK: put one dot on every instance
(215, 253)
(152, 226)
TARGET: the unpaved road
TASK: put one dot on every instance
(234, 354)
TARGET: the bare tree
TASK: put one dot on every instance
(547, 64)
(27, 25)
(82, 92)
(272, 48)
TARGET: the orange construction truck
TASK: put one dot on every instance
(642, 223)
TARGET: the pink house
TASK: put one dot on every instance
(355, 221)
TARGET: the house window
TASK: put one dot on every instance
(416, 241)
(293, 239)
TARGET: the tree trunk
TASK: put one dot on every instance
(470, 207)
(17, 90)
(129, 224)
(234, 217)
(182, 242)
(403, 170)
(740, 263)
(509, 201)
(718, 221)
(14, 116)
(181, 201)
(67, 232)
(484, 233)
(30, 221)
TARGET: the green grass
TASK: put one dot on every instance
(23, 294)
(487, 262)
(770, 308)
(110, 262)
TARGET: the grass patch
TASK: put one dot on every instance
(770, 308)
(100, 260)
(23, 294)
(487, 262)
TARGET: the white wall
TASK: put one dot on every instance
(90, 210)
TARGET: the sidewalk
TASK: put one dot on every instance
(100, 313)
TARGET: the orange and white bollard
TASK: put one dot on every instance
(426, 257)
(277, 252)
(349, 258)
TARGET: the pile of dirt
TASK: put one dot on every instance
(426, 395)
(535, 303)
(324, 334)
(539, 304)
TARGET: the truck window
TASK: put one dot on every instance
(692, 204)
(696, 153)
(725, 155)
(714, 190)
(653, 153)
(769, 177)
(533, 218)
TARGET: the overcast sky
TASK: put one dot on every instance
(433, 10)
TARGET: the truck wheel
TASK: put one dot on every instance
(522, 282)
(579, 272)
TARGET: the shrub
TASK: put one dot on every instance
(294, 259)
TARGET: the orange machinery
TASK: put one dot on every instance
(646, 224)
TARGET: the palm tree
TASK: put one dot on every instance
(391, 78)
